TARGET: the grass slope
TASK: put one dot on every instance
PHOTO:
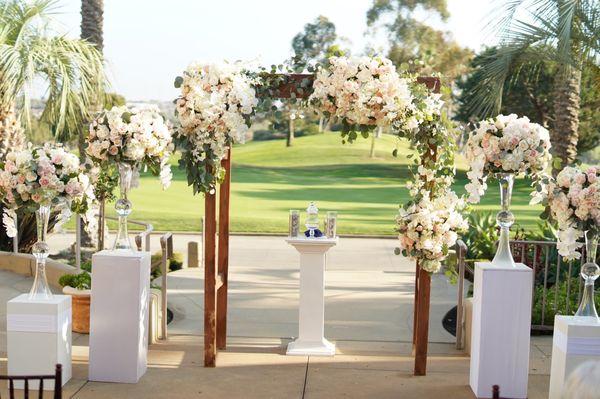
(269, 179)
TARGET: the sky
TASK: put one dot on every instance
(147, 43)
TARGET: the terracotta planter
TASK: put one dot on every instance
(80, 309)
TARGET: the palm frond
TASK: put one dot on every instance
(72, 69)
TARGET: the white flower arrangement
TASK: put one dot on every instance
(362, 92)
(47, 175)
(139, 136)
(214, 111)
(573, 201)
(506, 144)
(429, 224)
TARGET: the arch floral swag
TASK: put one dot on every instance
(215, 110)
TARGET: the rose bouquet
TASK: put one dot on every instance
(362, 92)
(573, 201)
(214, 111)
(428, 225)
(138, 136)
(43, 176)
(503, 147)
(506, 144)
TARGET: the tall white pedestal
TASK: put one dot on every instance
(313, 258)
(576, 340)
(119, 316)
(501, 330)
(39, 337)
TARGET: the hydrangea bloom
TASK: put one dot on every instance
(506, 144)
(138, 136)
(214, 111)
(574, 203)
(47, 175)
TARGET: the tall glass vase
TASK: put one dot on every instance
(123, 207)
(504, 219)
(40, 250)
(589, 272)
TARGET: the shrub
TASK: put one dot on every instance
(81, 281)
(559, 301)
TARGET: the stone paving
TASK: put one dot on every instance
(368, 316)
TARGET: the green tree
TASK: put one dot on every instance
(566, 32)
(72, 70)
(416, 45)
(316, 42)
(529, 92)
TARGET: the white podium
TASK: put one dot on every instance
(119, 316)
(576, 340)
(39, 337)
(500, 331)
(313, 258)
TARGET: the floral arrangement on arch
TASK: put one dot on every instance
(48, 175)
(363, 93)
(428, 225)
(139, 136)
(573, 201)
(507, 144)
(214, 111)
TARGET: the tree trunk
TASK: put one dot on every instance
(11, 132)
(321, 123)
(92, 19)
(290, 135)
(565, 133)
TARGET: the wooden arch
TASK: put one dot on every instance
(216, 256)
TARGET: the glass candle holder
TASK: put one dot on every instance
(312, 219)
(331, 224)
(294, 225)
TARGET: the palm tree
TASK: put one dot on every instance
(566, 32)
(30, 52)
(72, 70)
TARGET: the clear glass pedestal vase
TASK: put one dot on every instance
(504, 219)
(123, 208)
(589, 272)
(40, 250)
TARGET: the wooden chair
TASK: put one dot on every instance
(57, 377)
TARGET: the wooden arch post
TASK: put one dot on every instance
(216, 269)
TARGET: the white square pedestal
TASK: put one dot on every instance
(119, 316)
(576, 340)
(39, 337)
(500, 331)
(313, 259)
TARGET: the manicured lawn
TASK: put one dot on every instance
(270, 179)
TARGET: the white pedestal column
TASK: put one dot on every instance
(39, 337)
(576, 340)
(119, 316)
(313, 258)
(500, 332)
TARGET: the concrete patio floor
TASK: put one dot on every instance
(258, 368)
(368, 316)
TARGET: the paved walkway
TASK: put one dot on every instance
(368, 316)
(369, 290)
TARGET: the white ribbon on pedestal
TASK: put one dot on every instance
(38, 322)
(577, 345)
